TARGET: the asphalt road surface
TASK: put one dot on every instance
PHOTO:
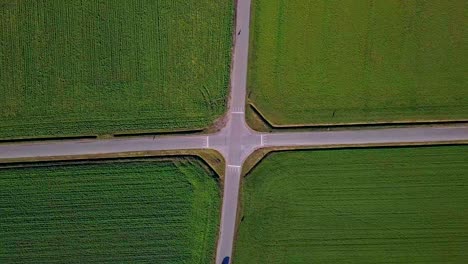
(92, 146)
(366, 137)
(235, 132)
(236, 141)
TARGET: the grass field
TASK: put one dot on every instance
(98, 67)
(359, 61)
(133, 212)
(399, 205)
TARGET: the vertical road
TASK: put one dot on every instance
(229, 213)
(235, 131)
(240, 57)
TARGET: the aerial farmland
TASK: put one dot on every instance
(380, 205)
(153, 211)
(72, 68)
(358, 62)
(233, 132)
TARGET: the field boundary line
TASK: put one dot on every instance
(259, 154)
(351, 125)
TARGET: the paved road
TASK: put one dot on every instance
(236, 141)
(235, 132)
(83, 147)
(376, 136)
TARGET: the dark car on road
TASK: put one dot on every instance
(225, 260)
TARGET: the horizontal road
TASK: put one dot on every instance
(92, 146)
(366, 137)
(236, 142)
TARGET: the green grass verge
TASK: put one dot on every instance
(348, 61)
(389, 205)
(152, 211)
(99, 67)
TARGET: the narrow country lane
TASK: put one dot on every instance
(367, 137)
(85, 147)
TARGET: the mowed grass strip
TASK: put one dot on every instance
(359, 61)
(399, 205)
(131, 212)
(90, 67)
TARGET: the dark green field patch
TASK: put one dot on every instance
(90, 67)
(130, 212)
(399, 205)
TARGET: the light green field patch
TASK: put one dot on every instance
(399, 205)
(355, 61)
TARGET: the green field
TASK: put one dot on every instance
(359, 61)
(151, 211)
(99, 67)
(399, 205)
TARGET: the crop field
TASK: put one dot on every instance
(359, 61)
(92, 67)
(390, 205)
(147, 211)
